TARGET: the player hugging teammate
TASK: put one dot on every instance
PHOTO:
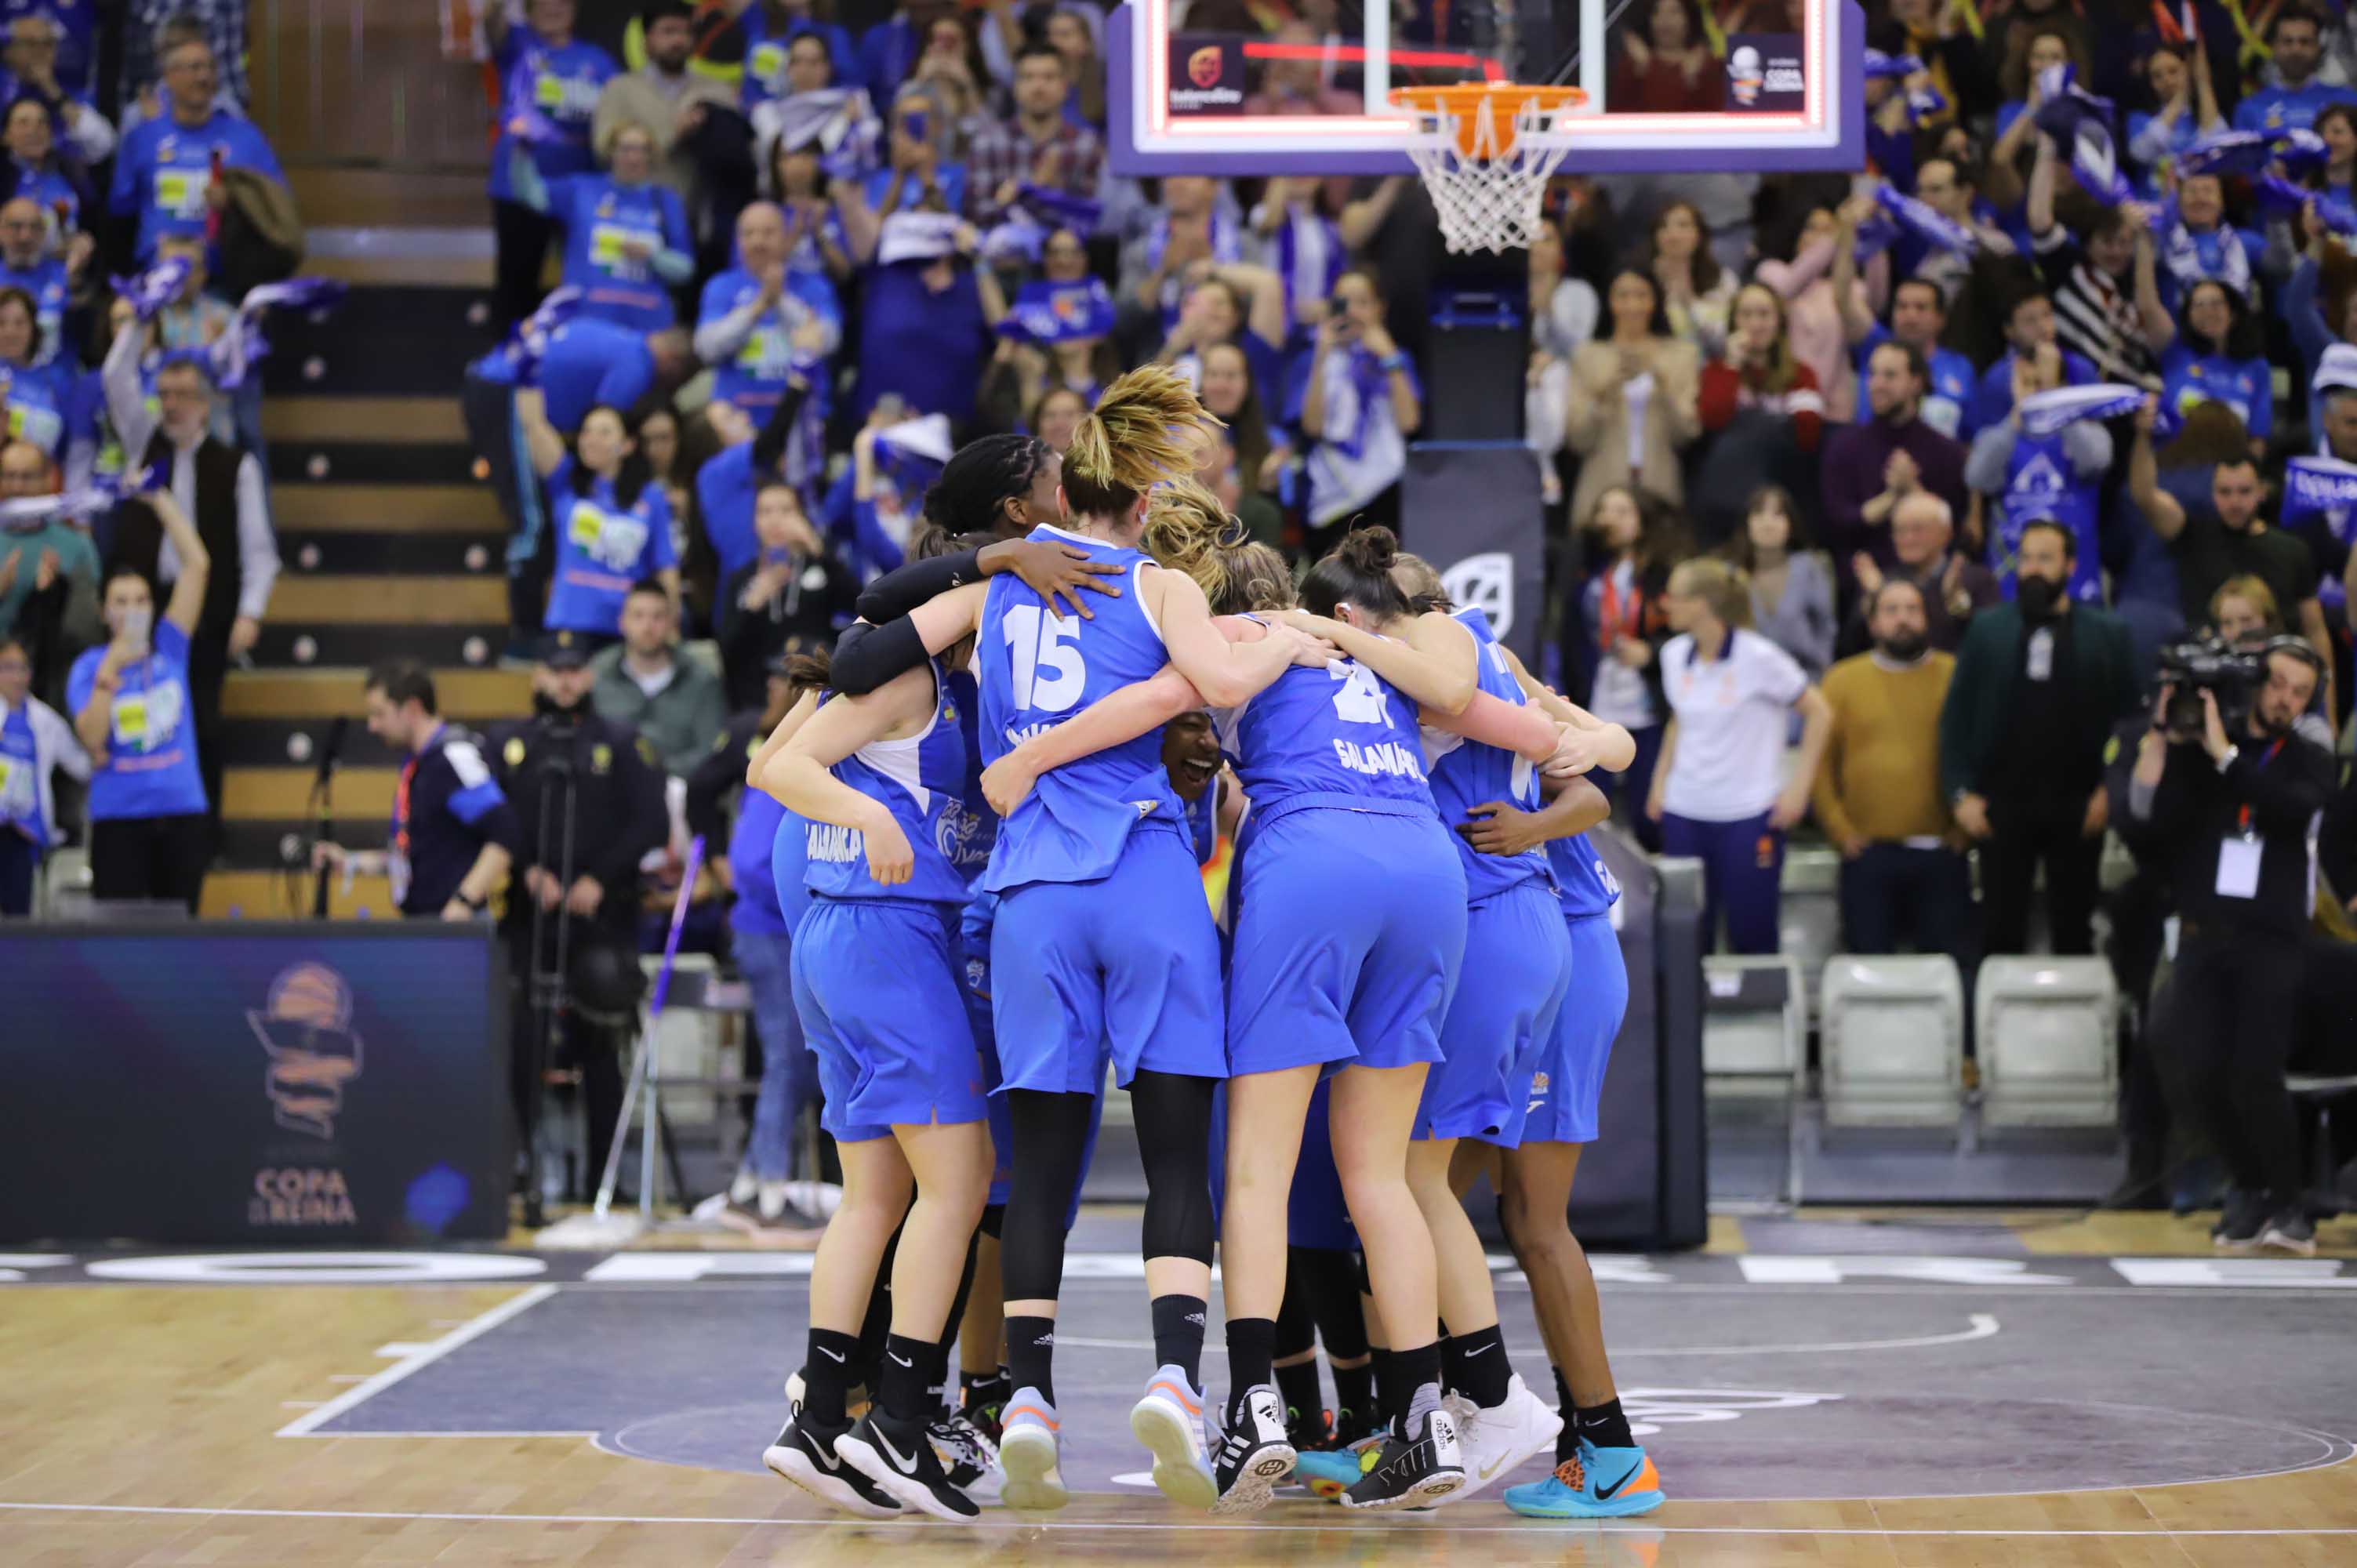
(1420, 983)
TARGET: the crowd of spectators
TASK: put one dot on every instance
(136, 548)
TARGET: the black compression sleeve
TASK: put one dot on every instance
(868, 656)
(895, 593)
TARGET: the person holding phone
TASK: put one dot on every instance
(132, 713)
(1360, 406)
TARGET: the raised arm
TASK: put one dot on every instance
(2159, 327)
(541, 441)
(1523, 728)
(2159, 507)
(196, 564)
(797, 775)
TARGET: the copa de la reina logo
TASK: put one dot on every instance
(306, 1030)
(1206, 69)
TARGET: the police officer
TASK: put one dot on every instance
(454, 834)
(589, 804)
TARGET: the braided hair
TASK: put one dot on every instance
(980, 478)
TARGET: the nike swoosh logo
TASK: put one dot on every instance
(905, 1463)
(824, 1455)
(897, 1361)
(829, 1355)
(1534, 1105)
(1604, 1494)
(1483, 1351)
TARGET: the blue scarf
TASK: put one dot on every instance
(2314, 485)
(1048, 311)
(2082, 122)
(1926, 222)
(2047, 412)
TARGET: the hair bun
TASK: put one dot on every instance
(1373, 551)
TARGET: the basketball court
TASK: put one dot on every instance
(1932, 1391)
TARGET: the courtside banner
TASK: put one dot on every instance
(242, 1082)
(1473, 508)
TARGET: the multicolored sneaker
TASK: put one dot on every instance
(969, 1455)
(1419, 1471)
(1594, 1483)
(1029, 1450)
(1333, 1471)
(1170, 1420)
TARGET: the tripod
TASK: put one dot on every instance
(544, 988)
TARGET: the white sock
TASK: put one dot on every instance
(741, 1185)
(772, 1200)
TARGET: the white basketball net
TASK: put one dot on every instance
(1489, 201)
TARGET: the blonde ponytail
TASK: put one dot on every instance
(1185, 528)
(1146, 429)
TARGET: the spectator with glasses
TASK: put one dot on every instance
(168, 171)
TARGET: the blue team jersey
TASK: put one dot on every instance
(602, 548)
(754, 377)
(752, 847)
(24, 789)
(1466, 773)
(971, 829)
(164, 168)
(2041, 485)
(35, 399)
(563, 86)
(148, 767)
(766, 47)
(46, 282)
(921, 781)
(788, 860)
(2246, 386)
(602, 221)
(1338, 736)
(1038, 669)
(1583, 883)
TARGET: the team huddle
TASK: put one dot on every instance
(994, 807)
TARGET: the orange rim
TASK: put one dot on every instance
(1462, 103)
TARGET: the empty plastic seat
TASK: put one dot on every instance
(1809, 915)
(2048, 1050)
(1893, 1040)
(1754, 1022)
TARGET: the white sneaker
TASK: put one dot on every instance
(970, 1458)
(1170, 1420)
(1029, 1452)
(1500, 1438)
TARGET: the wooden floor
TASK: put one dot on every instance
(140, 1424)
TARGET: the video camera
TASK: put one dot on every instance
(2230, 673)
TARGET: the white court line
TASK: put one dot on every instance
(1189, 1523)
(1985, 1326)
(423, 1357)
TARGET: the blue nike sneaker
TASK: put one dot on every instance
(1595, 1483)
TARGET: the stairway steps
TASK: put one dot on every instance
(471, 696)
(257, 895)
(405, 339)
(389, 600)
(303, 645)
(390, 549)
(387, 421)
(375, 509)
(302, 462)
(295, 743)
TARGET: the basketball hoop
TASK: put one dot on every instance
(1486, 151)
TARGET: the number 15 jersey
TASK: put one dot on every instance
(1038, 668)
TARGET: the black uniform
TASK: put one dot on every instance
(615, 790)
(445, 808)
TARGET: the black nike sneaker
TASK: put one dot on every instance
(1412, 1472)
(899, 1457)
(1253, 1457)
(804, 1454)
(1309, 1432)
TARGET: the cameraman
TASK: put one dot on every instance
(2238, 810)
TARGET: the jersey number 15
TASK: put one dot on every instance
(1048, 672)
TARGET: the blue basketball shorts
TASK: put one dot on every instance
(1559, 1106)
(1348, 930)
(880, 1005)
(1517, 959)
(1127, 966)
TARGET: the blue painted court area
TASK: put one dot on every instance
(1809, 1388)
